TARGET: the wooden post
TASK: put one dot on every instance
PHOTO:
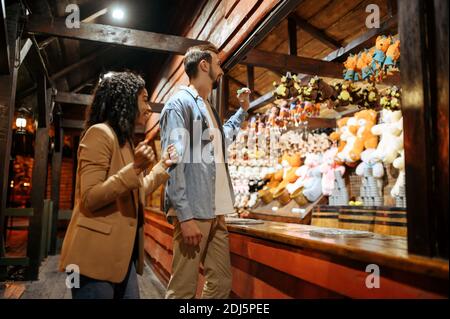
(75, 143)
(442, 139)
(5, 60)
(56, 179)
(225, 97)
(222, 97)
(39, 179)
(251, 79)
(423, 29)
(7, 102)
(292, 33)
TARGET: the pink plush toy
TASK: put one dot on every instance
(328, 169)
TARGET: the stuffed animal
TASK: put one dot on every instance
(391, 98)
(328, 168)
(350, 67)
(359, 66)
(381, 45)
(312, 188)
(370, 97)
(391, 136)
(336, 135)
(366, 70)
(357, 136)
(366, 120)
(399, 163)
(392, 56)
(371, 162)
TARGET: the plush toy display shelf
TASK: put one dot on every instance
(381, 220)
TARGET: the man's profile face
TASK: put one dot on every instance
(215, 70)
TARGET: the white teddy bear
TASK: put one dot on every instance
(399, 163)
(368, 160)
(391, 136)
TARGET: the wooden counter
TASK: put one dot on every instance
(281, 260)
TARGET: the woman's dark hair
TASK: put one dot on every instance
(116, 102)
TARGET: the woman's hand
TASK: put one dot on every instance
(143, 157)
(170, 156)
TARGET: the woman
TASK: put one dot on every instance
(104, 240)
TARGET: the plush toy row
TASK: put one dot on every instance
(373, 64)
(303, 101)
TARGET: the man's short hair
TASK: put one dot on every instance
(194, 55)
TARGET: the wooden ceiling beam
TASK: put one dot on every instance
(241, 84)
(5, 67)
(367, 40)
(296, 64)
(84, 84)
(88, 19)
(86, 99)
(25, 49)
(315, 32)
(76, 66)
(261, 101)
(292, 36)
(122, 37)
(274, 18)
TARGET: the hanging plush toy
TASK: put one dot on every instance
(369, 97)
(350, 66)
(392, 56)
(359, 66)
(379, 55)
(366, 69)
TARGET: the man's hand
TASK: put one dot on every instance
(191, 233)
(143, 157)
(243, 95)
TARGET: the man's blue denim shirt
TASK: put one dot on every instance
(191, 187)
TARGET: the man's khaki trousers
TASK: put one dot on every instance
(213, 252)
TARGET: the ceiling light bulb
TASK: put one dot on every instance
(118, 14)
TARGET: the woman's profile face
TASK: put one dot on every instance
(145, 110)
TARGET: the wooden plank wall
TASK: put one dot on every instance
(225, 23)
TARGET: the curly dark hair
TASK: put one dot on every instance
(116, 102)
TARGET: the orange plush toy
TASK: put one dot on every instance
(392, 56)
(366, 70)
(350, 67)
(355, 135)
(365, 139)
(381, 46)
(336, 136)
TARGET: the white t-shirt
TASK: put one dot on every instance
(223, 199)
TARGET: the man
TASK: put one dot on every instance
(199, 191)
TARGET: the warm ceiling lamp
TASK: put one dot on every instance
(21, 123)
(118, 13)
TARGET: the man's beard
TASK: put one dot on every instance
(215, 83)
